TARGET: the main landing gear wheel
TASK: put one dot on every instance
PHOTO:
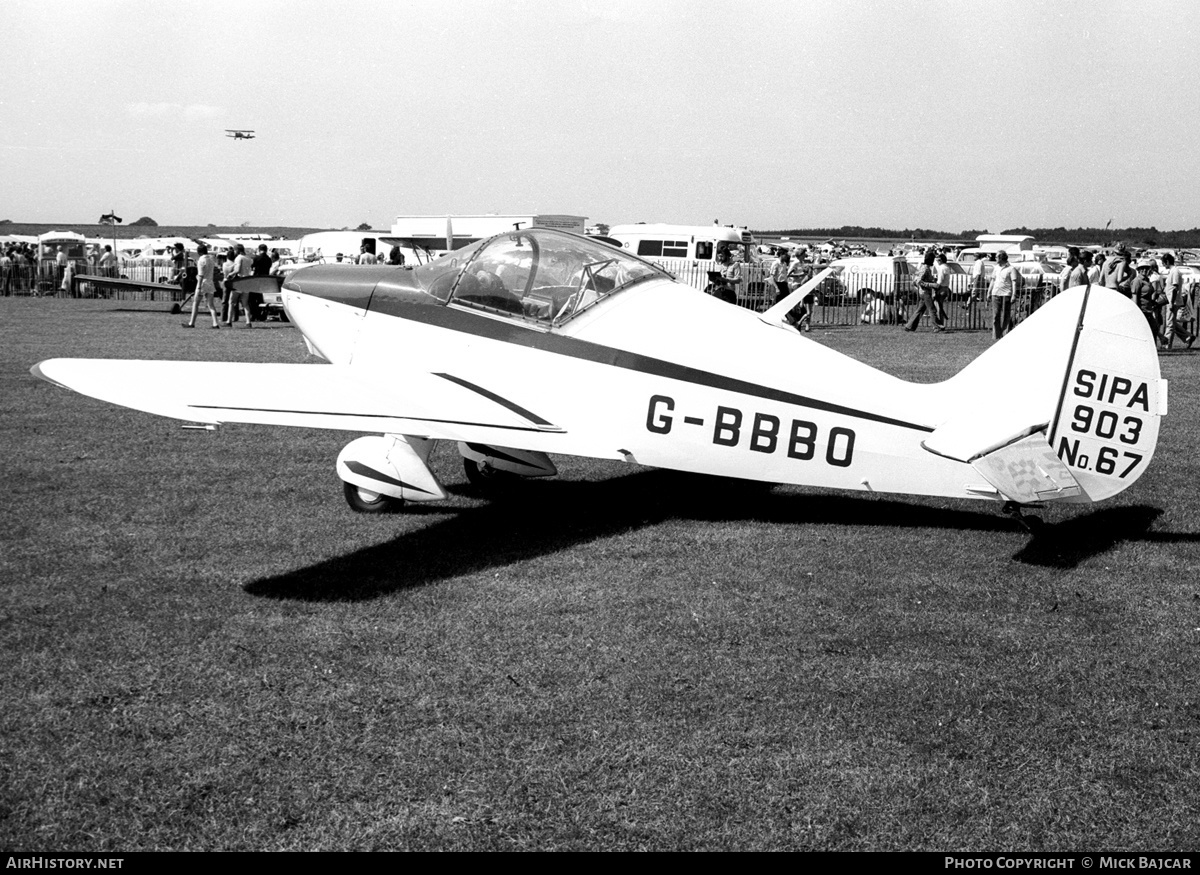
(485, 476)
(363, 500)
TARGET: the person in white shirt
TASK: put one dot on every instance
(107, 264)
(60, 264)
(68, 281)
(779, 276)
(240, 267)
(1177, 308)
(1074, 274)
(941, 294)
(205, 287)
(978, 277)
(731, 277)
(1002, 291)
(6, 271)
(227, 274)
(876, 311)
(366, 254)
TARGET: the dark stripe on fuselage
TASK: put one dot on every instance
(492, 396)
(505, 332)
(478, 325)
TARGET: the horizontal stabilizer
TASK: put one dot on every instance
(966, 438)
(777, 313)
(1027, 471)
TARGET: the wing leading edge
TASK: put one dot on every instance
(302, 395)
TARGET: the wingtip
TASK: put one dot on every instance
(38, 371)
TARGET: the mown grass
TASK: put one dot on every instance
(205, 649)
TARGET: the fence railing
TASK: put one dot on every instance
(46, 280)
(842, 300)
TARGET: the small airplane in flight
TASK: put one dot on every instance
(538, 342)
(239, 135)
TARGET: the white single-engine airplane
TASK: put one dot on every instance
(539, 341)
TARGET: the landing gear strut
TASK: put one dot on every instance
(482, 475)
(1032, 524)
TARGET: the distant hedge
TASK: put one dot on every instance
(1047, 236)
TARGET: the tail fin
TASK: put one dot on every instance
(1082, 373)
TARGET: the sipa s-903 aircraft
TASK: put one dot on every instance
(539, 342)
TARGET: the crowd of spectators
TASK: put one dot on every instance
(1163, 291)
(23, 272)
(1166, 296)
(18, 262)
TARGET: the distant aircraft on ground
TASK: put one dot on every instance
(239, 135)
(539, 341)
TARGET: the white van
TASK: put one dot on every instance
(686, 242)
(690, 251)
(886, 275)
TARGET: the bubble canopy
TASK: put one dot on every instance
(538, 275)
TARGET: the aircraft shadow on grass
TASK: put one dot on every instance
(539, 518)
(1072, 541)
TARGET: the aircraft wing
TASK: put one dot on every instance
(437, 405)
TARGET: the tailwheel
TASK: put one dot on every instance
(1031, 524)
(363, 500)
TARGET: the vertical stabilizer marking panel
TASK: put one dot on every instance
(1110, 415)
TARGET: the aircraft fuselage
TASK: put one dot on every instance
(660, 375)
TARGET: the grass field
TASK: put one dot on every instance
(206, 649)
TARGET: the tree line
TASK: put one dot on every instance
(1063, 236)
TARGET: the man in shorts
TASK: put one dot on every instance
(242, 267)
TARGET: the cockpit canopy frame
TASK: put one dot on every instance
(537, 275)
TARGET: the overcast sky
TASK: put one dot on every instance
(945, 115)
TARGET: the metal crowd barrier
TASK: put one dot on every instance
(840, 301)
(43, 280)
